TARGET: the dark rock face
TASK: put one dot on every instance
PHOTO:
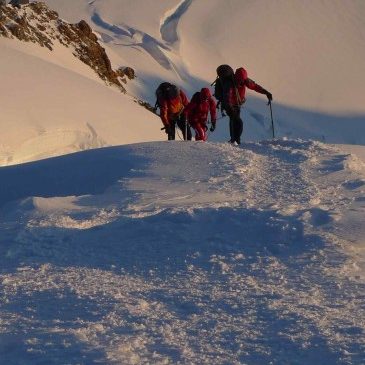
(16, 23)
(126, 72)
(36, 23)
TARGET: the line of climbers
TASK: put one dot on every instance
(229, 90)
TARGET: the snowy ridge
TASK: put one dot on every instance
(163, 48)
(242, 256)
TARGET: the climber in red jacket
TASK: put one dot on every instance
(197, 112)
(172, 102)
(230, 91)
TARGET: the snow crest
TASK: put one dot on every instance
(190, 253)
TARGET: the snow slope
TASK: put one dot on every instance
(185, 253)
(52, 104)
(297, 50)
(180, 253)
(310, 55)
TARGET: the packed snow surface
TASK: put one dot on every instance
(184, 253)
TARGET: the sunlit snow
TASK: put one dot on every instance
(119, 248)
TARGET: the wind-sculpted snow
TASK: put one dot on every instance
(184, 253)
(169, 24)
(127, 36)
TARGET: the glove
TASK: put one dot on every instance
(269, 95)
(212, 128)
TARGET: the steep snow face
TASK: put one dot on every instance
(186, 253)
(39, 24)
(54, 104)
(310, 55)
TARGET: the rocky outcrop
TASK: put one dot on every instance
(35, 22)
(18, 23)
(127, 72)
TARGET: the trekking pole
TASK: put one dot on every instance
(272, 120)
(178, 134)
(186, 129)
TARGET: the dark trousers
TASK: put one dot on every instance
(235, 123)
(180, 121)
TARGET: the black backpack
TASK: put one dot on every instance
(225, 74)
(224, 71)
(166, 91)
(196, 98)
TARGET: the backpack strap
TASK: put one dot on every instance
(240, 102)
(182, 104)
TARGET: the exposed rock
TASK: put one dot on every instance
(35, 22)
(126, 71)
(86, 30)
(15, 23)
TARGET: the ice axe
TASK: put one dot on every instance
(272, 119)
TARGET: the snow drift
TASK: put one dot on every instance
(248, 255)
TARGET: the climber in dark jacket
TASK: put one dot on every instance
(230, 91)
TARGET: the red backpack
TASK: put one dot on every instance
(240, 77)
